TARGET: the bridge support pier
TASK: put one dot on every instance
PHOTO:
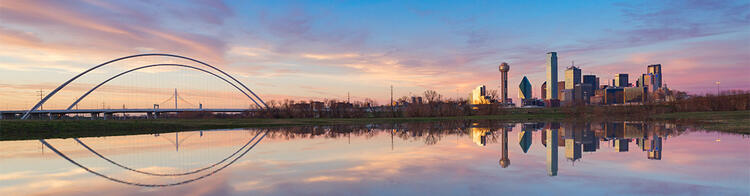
(8, 116)
(94, 115)
(38, 116)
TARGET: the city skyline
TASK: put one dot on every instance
(319, 51)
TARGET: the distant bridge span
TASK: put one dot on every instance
(41, 102)
(11, 114)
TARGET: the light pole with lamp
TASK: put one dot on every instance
(717, 87)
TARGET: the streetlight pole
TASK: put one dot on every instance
(717, 87)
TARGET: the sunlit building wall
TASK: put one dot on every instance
(656, 148)
(544, 90)
(572, 77)
(479, 136)
(621, 145)
(635, 94)
(479, 96)
(572, 150)
(655, 72)
(621, 80)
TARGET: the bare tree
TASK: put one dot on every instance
(403, 99)
(493, 94)
(369, 101)
(432, 96)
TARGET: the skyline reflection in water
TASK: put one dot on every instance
(441, 158)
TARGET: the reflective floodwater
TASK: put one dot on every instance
(445, 158)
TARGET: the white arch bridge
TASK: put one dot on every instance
(150, 112)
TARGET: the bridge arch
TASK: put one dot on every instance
(53, 92)
(157, 65)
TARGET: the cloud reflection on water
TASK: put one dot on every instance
(420, 158)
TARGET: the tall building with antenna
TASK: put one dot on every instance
(572, 77)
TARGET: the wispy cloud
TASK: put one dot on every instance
(362, 45)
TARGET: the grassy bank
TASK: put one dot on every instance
(734, 121)
(38, 129)
(730, 121)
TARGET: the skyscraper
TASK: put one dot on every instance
(544, 90)
(551, 133)
(655, 72)
(643, 81)
(621, 145)
(504, 68)
(591, 79)
(572, 77)
(524, 139)
(621, 80)
(552, 75)
(479, 96)
(524, 89)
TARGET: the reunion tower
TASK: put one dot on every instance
(504, 68)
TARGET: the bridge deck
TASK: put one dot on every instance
(126, 111)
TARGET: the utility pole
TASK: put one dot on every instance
(392, 131)
(347, 97)
(392, 109)
(41, 96)
(391, 97)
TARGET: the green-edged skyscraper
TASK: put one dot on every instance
(524, 89)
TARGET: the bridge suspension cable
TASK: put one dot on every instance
(183, 100)
(171, 98)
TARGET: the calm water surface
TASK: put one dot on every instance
(448, 158)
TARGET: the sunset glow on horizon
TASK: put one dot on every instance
(332, 50)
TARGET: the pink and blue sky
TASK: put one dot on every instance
(323, 49)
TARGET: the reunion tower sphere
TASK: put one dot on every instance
(504, 67)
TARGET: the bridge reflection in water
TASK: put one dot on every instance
(358, 155)
(575, 138)
(254, 141)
